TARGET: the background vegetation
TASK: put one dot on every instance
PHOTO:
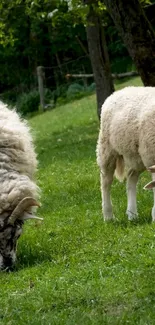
(51, 34)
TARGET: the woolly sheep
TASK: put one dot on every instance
(126, 144)
(18, 193)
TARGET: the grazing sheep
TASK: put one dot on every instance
(126, 143)
(18, 193)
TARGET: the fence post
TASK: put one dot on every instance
(41, 76)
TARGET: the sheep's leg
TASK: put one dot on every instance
(132, 180)
(151, 185)
(106, 181)
(153, 209)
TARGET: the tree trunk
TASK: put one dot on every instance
(99, 58)
(138, 35)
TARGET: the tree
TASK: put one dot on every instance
(137, 34)
(44, 32)
(99, 56)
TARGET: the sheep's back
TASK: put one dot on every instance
(16, 147)
(124, 116)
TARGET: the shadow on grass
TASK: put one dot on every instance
(123, 222)
(31, 261)
(35, 256)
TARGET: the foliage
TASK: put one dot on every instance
(29, 102)
(65, 94)
(124, 64)
(92, 87)
(44, 39)
(145, 2)
(47, 33)
(9, 97)
(74, 88)
(60, 91)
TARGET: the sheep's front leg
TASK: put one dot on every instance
(132, 180)
(106, 181)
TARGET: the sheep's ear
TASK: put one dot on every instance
(149, 186)
(151, 169)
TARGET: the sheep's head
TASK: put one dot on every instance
(11, 229)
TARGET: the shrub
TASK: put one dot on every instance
(91, 87)
(74, 89)
(29, 102)
(9, 97)
(60, 91)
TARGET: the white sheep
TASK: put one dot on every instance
(126, 144)
(18, 190)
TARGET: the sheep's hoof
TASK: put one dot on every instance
(132, 215)
(153, 214)
(109, 218)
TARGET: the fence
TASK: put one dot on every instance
(63, 75)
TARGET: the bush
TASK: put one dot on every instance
(29, 102)
(60, 91)
(64, 93)
(120, 65)
(74, 89)
(9, 97)
(91, 87)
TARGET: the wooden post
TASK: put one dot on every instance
(41, 76)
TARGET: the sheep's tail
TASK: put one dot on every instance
(120, 169)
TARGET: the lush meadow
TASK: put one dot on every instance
(72, 268)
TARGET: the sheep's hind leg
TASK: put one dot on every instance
(151, 185)
(132, 180)
(153, 209)
(106, 181)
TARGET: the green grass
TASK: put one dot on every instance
(136, 81)
(74, 269)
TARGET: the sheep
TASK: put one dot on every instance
(19, 192)
(126, 144)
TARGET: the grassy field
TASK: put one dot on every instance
(74, 269)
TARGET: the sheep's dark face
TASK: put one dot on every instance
(11, 229)
(9, 235)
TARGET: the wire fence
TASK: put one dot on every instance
(61, 81)
(56, 75)
(67, 80)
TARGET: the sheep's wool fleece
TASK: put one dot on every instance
(17, 160)
(128, 127)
